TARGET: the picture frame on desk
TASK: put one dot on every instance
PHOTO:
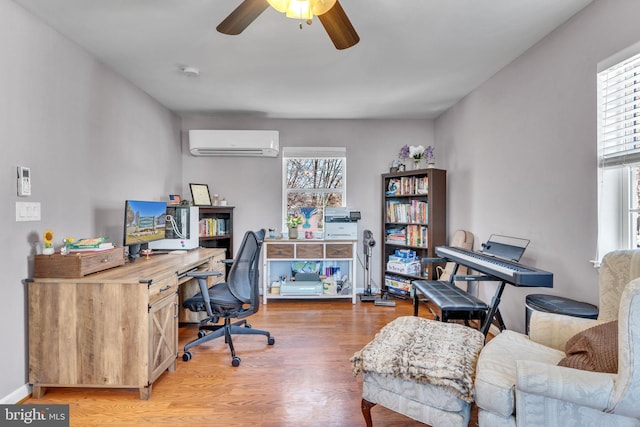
(200, 194)
(174, 199)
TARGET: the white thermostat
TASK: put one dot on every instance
(24, 181)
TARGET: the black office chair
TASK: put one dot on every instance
(237, 298)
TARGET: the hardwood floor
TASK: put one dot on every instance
(304, 379)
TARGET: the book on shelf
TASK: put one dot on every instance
(410, 235)
(210, 227)
(416, 211)
(408, 186)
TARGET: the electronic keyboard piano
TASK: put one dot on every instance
(511, 272)
(447, 301)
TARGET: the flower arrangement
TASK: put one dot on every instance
(417, 153)
(293, 221)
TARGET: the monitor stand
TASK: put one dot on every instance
(134, 251)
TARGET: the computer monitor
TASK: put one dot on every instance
(144, 222)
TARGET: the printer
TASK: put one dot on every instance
(341, 223)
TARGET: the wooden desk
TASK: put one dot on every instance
(116, 328)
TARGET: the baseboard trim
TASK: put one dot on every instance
(17, 396)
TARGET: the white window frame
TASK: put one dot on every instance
(312, 153)
(618, 151)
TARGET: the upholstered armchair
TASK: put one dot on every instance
(518, 380)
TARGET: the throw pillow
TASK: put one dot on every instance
(594, 349)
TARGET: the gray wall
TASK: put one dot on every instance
(521, 151)
(91, 140)
(254, 185)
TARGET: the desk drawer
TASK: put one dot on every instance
(162, 288)
(280, 251)
(310, 251)
(339, 250)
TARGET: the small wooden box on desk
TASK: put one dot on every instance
(115, 328)
(77, 264)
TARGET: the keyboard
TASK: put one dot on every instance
(511, 272)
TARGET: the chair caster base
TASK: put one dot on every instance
(271, 341)
(186, 356)
(235, 361)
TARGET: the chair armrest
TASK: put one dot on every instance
(584, 388)
(203, 274)
(554, 330)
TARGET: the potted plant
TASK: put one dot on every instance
(293, 221)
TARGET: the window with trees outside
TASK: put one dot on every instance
(314, 178)
(619, 153)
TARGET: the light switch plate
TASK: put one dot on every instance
(27, 211)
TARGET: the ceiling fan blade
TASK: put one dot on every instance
(339, 28)
(242, 16)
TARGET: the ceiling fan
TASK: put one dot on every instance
(330, 12)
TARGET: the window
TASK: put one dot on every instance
(314, 178)
(619, 156)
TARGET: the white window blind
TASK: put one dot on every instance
(619, 90)
(619, 152)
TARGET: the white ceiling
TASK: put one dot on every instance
(415, 58)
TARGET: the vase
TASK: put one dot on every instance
(293, 233)
(416, 164)
(431, 165)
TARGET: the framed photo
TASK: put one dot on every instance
(174, 199)
(200, 194)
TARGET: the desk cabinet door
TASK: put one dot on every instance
(163, 336)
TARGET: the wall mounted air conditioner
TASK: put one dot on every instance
(261, 143)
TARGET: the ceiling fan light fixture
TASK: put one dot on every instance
(279, 5)
(299, 9)
(320, 7)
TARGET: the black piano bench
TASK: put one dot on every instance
(448, 302)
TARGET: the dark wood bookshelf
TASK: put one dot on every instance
(432, 191)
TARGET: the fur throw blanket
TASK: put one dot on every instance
(426, 351)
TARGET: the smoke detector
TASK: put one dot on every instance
(190, 71)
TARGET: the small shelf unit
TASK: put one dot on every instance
(330, 257)
(216, 228)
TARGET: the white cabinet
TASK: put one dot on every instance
(333, 260)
